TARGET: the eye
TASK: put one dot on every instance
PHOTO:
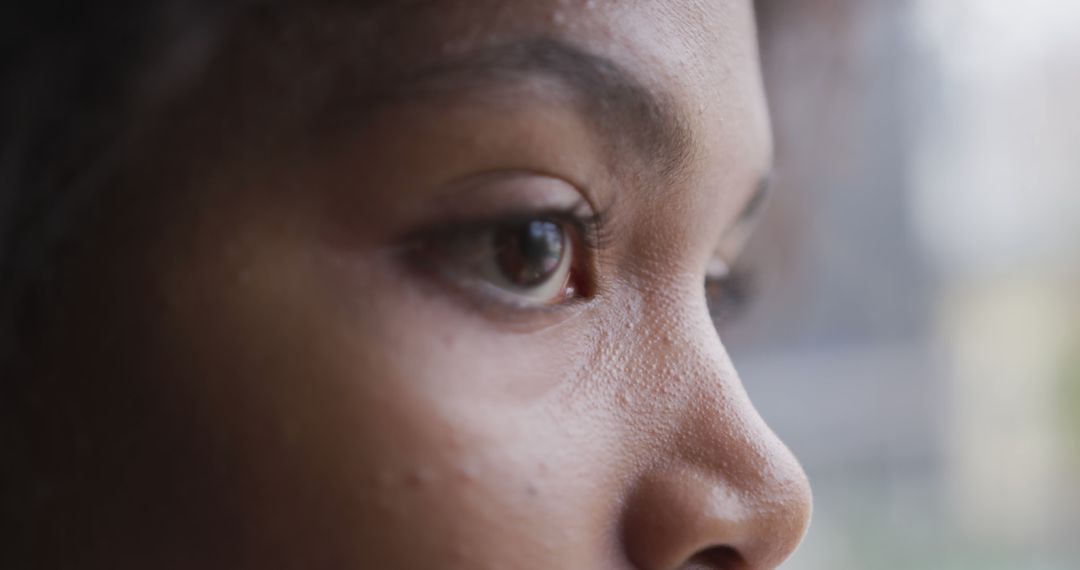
(529, 262)
(532, 259)
(729, 294)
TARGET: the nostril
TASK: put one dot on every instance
(715, 558)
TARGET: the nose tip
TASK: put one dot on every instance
(729, 496)
(723, 492)
(685, 519)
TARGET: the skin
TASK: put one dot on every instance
(271, 379)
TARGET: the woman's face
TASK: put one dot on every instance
(464, 325)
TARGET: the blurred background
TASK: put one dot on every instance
(915, 335)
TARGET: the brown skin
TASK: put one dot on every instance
(281, 382)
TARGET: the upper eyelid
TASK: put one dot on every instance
(584, 208)
(451, 191)
(587, 223)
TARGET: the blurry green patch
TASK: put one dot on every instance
(1071, 397)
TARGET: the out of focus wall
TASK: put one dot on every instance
(916, 332)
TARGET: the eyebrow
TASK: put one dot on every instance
(622, 110)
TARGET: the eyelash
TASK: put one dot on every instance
(594, 228)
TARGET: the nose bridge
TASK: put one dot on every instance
(692, 381)
(726, 480)
(717, 428)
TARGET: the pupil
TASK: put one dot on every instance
(530, 254)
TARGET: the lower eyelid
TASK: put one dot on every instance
(487, 301)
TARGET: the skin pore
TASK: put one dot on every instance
(315, 357)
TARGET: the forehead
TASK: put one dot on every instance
(688, 45)
(700, 55)
(697, 57)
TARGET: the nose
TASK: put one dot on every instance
(727, 494)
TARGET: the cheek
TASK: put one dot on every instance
(391, 424)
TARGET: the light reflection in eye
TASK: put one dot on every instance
(530, 255)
